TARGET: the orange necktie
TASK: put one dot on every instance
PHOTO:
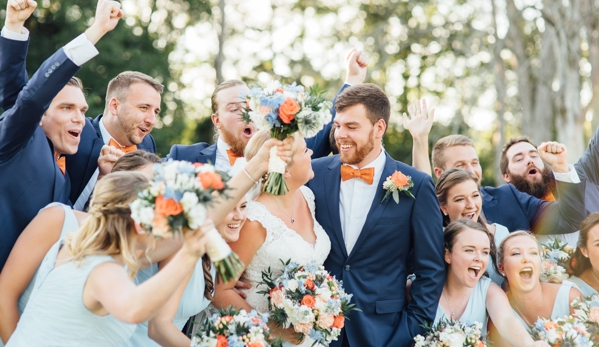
(61, 162)
(366, 175)
(232, 156)
(125, 149)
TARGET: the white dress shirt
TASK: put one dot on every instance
(79, 51)
(569, 177)
(356, 198)
(222, 159)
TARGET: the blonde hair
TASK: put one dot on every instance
(257, 141)
(108, 229)
(118, 87)
(501, 248)
(448, 141)
(225, 85)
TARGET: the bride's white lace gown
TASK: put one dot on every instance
(282, 243)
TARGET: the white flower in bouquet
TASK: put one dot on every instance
(453, 339)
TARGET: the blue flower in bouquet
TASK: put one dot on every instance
(234, 341)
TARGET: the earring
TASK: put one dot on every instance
(585, 255)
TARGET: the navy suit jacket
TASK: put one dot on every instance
(29, 176)
(516, 210)
(376, 270)
(82, 165)
(204, 153)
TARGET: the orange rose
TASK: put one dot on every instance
(339, 322)
(308, 301)
(309, 284)
(167, 207)
(221, 341)
(550, 325)
(211, 180)
(160, 226)
(399, 179)
(256, 344)
(288, 110)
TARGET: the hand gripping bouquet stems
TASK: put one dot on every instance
(310, 299)
(231, 327)
(555, 256)
(451, 333)
(176, 201)
(285, 110)
(587, 311)
(568, 331)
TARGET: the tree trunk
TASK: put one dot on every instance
(220, 57)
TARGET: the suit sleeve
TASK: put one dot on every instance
(173, 153)
(320, 144)
(587, 166)
(561, 217)
(429, 265)
(18, 123)
(13, 75)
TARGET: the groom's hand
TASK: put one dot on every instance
(17, 12)
(356, 62)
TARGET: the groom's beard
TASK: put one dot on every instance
(236, 143)
(359, 152)
(537, 188)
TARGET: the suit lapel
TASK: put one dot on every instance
(491, 209)
(332, 183)
(376, 208)
(208, 155)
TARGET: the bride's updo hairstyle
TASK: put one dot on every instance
(108, 229)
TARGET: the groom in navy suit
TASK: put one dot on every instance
(375, 240)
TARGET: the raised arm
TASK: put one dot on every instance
(355, 73)
(419, 124)
(588, 165)
(13, 51)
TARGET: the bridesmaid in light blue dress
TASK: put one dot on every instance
(584, 264)
(468, 296)
(88, 299)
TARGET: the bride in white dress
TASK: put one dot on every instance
(278, 228)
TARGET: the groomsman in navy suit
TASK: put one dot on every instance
(46, 119)
(512, 208)
(132, 106)
(234, 134)
(373, 240)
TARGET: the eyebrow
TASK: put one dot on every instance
(522, 153)
(348, 123)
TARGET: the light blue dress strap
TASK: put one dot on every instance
(561, 306)
(501, 233)
(476, 309)
(581, 285)
(69, 224)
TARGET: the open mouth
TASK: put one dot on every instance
(345, 147)
(75, 133)
(533, 171)
(144, 131)
(473, 271)
(233, 226)
(526, 273)
(470, 215)
(248, 131)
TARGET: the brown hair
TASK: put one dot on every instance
(503, 160)
(108, 229)
(135, 160)
(578, 262)
(374, 100)
(119, 86)
(457, 226)
(225, 85)
(446, 142)
(449, 179)
(76, 82)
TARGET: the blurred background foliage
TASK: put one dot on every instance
(492, 68)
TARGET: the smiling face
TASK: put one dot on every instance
(230, 226)
(592, 247)
(521, 262)
(358, 140)
(461, 157)
(135, 113)
(64, 120)
(231, 128)
(463, 201)
(469, 257)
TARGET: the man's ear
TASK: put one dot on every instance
(113, 106)
(380, 127)
(506, 177)
(438, 172)
(215, 120)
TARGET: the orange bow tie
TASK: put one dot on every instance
(126, 149)
(61, 162)
(366, 175)
(233, 156)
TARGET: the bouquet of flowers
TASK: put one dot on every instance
(176, 201)
(310, 299)
(237, 328)
(567, 331)
(284, 110)
(451, 333)
(587, 311)
(555, 256)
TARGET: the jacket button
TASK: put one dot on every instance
(347, 267)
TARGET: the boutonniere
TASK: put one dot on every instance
(398, 183)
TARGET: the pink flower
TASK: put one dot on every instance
(594, 315)
(325, 321)
(277, 297)
(303, 328)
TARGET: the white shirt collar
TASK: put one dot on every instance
(222, 146)
(105, 135)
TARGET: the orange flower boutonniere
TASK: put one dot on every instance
(397, 183)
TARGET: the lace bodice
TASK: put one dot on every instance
(281, 243)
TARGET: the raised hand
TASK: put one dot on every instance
(194, 242)
(108, 156)
(420, 121)
(17, 12)
(555, 155)
(356, 62)
(108, 13)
